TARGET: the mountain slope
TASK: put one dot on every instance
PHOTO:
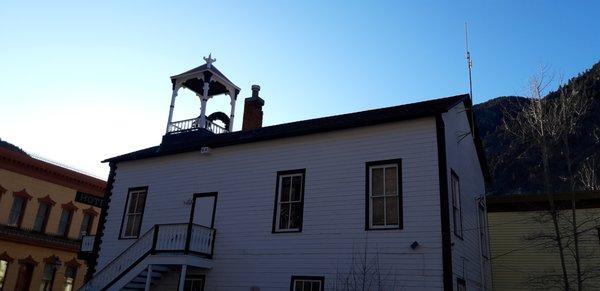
(11, 147)
(516, 167)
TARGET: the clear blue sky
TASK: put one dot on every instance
(83, 81)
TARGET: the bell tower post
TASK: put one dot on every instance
(206, 81)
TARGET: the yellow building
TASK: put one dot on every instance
(44, 210)
(524, 255)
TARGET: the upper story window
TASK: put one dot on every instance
(307, 283)
(289, 201)
(64, 223)
(86, 224)
(134, 212)
(456, 205)
(384, 194)
(17, 211)
(43, 213)
(483, 226)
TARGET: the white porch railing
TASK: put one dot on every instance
(171, 237)
(215, 128)
(193, 124)
(87, 243)
(202, 239)
(175, 238)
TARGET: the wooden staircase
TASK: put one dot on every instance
(161, 246)
(139, 282)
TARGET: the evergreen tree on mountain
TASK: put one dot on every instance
(516, 168)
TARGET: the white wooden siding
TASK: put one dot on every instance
(248, 254)
(462, 158)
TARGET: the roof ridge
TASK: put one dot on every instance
(190, 142)
(418, 103)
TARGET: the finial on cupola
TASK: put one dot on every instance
(209, 60)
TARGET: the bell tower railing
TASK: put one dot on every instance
(194, 124)
(206, 81)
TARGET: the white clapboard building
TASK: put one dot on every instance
(385, 199)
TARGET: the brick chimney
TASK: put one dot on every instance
(253, 114)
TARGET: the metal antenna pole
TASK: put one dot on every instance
(469, 66)
(469, 61)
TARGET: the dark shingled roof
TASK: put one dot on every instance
(299, 128)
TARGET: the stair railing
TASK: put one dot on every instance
(180, 237)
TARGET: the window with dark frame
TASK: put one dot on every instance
(86, 224)
(70, 273)
(307, 283)
(289, 201)
(64, 223)
(483, 230)
(25, 274)
(3, 269)
(461, 285)
(41, 218)
(194, 283)
(48, 276)
(16, 211)
(134, 212)
(384, 194)
(456, 205)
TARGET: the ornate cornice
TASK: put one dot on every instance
(29, 237)
(69, 206)
(90, 211)
(53, 259)
(73, 263)
(46, 199)
(23, 193)
(26, 165)
(5, 257)
(28, 261)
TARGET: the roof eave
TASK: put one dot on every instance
(460, 98)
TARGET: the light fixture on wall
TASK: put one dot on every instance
(414, 245)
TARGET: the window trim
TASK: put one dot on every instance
(132, 189)
(194, 276)
(307, 278)
(75, 266)
(483, 229)
(24, 264)
(46, 216)
(368, 165)
(21, 212)
(54, 265)
(454, 175)
(90, 223)
(71, 209)
(5, 257)
(460, 281)
(275, 227)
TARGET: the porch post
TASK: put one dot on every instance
(203, 100)
(148, 278)
(173, 96)
(182, 277)
(232, 114)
